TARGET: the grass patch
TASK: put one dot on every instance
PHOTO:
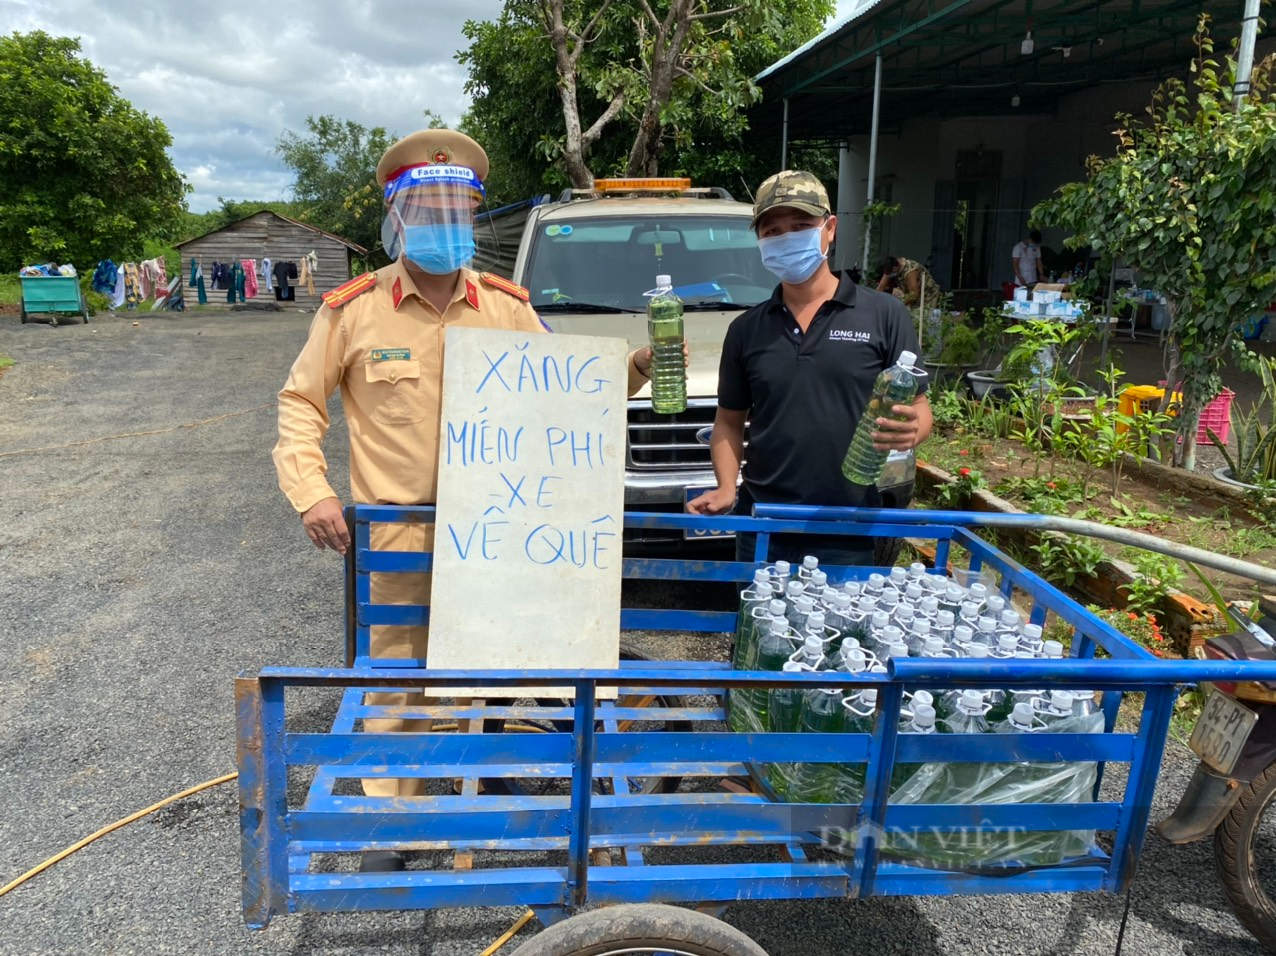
(5, 362)
(10, 290)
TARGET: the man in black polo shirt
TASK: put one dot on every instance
(800, 367)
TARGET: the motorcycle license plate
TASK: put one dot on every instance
(699, 534)
(1221, 731)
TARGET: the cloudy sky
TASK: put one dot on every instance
(228, 77)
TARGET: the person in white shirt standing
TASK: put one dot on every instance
(1027, 259)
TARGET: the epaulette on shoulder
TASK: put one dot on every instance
(505, 285)
(344, 293)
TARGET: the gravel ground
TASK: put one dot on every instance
(141, 573)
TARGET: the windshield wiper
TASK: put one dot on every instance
(591, 308)
(710, 305)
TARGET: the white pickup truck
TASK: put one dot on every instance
(588, 258)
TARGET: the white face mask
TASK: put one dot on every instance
(793, 257)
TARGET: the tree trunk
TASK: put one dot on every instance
(573, 144)
(666, 53)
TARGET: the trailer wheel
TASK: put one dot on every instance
(646, 929)
(1242, 858)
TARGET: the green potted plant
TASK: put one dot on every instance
(1250, 451)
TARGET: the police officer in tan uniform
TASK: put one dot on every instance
(380, 338)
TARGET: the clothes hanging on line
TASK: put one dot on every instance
(284, 273)
(307, 274)
(197, 280)
(155, 274)
(234, 287)
(105, 276)
(250, 277)
(267, 276)
(134, 291)
(117, 294)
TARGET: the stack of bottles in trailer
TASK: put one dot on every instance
(797, 622)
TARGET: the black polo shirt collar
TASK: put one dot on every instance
(845, 294)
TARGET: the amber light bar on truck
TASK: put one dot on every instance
(654, 185)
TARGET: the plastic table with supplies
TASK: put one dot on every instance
(625, 797)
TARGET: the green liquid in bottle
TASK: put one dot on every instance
(896, 385)
(668, 366)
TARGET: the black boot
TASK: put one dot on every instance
(381, 861)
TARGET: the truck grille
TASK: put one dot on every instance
(668, 442)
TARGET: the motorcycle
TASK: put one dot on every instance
(1234, 786)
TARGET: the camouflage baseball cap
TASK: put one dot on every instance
(792, 188)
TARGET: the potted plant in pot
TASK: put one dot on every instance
(991, 342)
(957, 350)
(1250, 451)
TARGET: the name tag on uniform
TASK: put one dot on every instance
(391, 355)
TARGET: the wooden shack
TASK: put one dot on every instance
(268, 235)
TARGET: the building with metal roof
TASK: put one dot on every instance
(969, 112)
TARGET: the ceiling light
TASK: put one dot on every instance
(1027, 45)
(1014, 100)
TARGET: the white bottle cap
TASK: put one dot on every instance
(907, 359)
(881, 619)
(962, 634)
(780, 626)
(1022, 714)
(930, 607)
(829, 595)
(854, 660)
(899, 575)
(986, 623)
(664, 282)
(870, 695)
(813, 647)
(791, 667)
(866, 605)
(777, 608)
(877, 669)
(815, 620)
(810, 562)
(1010, 616)
(794, 589)
(760, 577)
(783, 568)
(892, 634)
(890, 597)
(1033, 633)
(905, 614)
(913, 592)
(876, 580)
(853, 588)
(971, 702)
(1008, 642)
(978, 591)
(916, 569)
(1052, 649)
(933, 645)
(819, 579)
(805, 604)
(954, 594)
(923, 715)
(977, 650)
(897, 649)
(996, 603)
(923, 697)
(945, 618)
(921, 627)
(1061, 702)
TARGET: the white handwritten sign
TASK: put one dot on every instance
(527, 562)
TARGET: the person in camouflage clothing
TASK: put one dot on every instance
(906, 279)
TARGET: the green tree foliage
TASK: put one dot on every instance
(83, 175)
(335, 165)
(658, 86)
(1189, 200)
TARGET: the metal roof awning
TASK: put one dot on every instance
(967, 58)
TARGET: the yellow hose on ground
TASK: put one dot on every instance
(509, 933)
(37, 870)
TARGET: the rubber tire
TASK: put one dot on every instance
(1235, 862)
(615, 929)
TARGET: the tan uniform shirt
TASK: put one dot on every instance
(384, 348)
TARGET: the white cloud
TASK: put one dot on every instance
(228, 78)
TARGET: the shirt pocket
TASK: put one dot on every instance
(394, 391)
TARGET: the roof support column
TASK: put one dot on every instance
(784, 137)
(872, 155)
(1245, 55)
(850, 204)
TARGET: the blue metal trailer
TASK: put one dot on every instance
(586, 811)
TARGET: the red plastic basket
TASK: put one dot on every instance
(1217, 416)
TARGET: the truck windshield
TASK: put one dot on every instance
(612, 261)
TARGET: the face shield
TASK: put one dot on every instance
(430, 217)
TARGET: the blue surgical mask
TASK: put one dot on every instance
(792, 257)
(439, 248)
